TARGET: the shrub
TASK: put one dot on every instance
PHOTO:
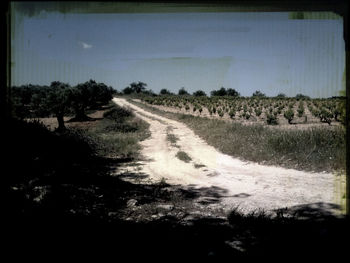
(258, 112)
(289, 115)
(271, 119)
(232, 113)
(325, 116)
(245, 108)
(336, 113)
(300, 112)
(117, 113)
(315, 112)
(300, 109)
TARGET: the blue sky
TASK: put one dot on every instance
(244, 51)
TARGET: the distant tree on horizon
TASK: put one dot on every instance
(220, 92)
(127, 90)
(232, 93)
(183, 92)
(225, 92)
(165, 92)
(199, 93)
(281, 95)
(259, 94)
(301, 96)
(135, 87)
(149, 92)
(138, 87)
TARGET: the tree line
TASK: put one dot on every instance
(140, 88)
(59, 99)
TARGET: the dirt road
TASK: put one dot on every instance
(223, 179)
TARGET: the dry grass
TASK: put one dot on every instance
(183, 156)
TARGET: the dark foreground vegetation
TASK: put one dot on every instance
(62, 199)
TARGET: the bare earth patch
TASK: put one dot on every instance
(230, 182)
(51, 122)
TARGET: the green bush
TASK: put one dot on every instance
(232, 113)
(271, 119)
(301, 109)
(289, 115)
(258, 112)
(325, 116)
(315, 112)
(300, 112)
(336, 113)
(117, 113)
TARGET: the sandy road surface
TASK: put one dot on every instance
(229, 181)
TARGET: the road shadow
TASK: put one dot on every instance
(86, 119)
(312, 211)
(62, 199)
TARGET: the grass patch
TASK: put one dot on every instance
(183, 156)
(197, 166)
(172, 138)
(118, 134)
(316, 149)
(117, 113)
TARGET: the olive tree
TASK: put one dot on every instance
(58, 101)
(89, 94)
